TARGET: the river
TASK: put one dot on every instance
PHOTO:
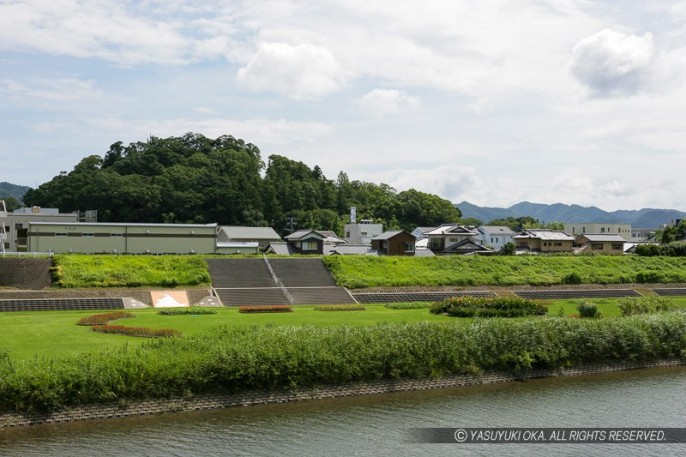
(379, 425)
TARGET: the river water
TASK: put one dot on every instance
(379, 425)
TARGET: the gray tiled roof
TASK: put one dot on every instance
(600, 237)
(234, 232)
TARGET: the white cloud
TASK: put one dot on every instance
(302, 72)
(383, 102)
(257, 131)
(64, 89)
(612, 63)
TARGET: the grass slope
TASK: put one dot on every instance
(367, 271)
(82, 271)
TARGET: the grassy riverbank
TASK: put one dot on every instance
(270, 357)
(87, 271)
(369, 271)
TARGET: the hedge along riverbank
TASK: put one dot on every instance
(271, 358)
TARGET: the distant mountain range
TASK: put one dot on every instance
(12, 190)
(558, 212)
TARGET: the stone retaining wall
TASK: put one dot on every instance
(25, 273)
(206, 402)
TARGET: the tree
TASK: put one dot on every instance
(421, 209)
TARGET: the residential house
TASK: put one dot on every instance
(394, 242)
(442, 238)
(420, 232)
(239, 234)
(602, 243)
(307, 242)
(540, 240)
(468, 247)
(495, 236)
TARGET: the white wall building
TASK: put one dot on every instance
(363, 232)
(495, 236)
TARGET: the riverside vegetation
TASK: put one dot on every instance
(233, 358)
(273, 357)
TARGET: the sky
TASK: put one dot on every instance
(492, 102)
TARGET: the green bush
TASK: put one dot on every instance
(646, 305)
(588, 310)
(469, 306)
(572, 278)
(408, 305)
(355, 307)
(265, 309)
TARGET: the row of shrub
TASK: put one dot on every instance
(677, 248)
(104, 318)
(649, 304)
(194, 311)
(142, 332)
(273, 357)
(469, 306)
(265, 309)
(408, 305)
(346, 307)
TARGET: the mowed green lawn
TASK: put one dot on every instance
(54, 334)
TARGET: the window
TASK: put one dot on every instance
(88, 235)
(617, 246)
(60, 234)
(409, 246)
(558, 243)
(117, 235)
(309, 245)
(597, 246)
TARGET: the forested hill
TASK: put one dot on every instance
(225, 180)
(14, 191)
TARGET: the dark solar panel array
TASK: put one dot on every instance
(576, 293)
(390, 297)
(671, 291)
(61, 304)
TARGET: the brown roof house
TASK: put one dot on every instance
(540, 240)
(603, 243)
(394, 242)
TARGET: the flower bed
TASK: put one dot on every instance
(143, 332)
(102, 319)
(265, 309)
(186, 311)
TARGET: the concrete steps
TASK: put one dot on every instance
(252, 296)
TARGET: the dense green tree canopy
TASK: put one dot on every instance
(201, 180)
